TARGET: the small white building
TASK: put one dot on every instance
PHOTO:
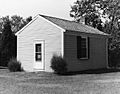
(82, 46)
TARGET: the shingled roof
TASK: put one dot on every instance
(73, 26)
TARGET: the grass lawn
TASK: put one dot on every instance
(48, 83)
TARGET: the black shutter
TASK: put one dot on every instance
(78, 47)
(88, 47)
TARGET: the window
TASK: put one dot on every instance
(82, 47)
(38, 52)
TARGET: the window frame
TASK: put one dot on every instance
(87, 47)
(38, 52)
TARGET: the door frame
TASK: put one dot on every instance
(42, 42)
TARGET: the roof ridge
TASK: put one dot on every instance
(74, 25)
(59, 18)
(67, 20)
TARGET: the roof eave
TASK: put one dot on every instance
(104, 34)
(26, 25)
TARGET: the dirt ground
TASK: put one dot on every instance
(48, 83)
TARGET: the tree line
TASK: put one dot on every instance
(8, 41)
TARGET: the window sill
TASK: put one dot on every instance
(83, 58)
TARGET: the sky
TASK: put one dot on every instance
(26, 8)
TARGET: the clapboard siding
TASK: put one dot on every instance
(38, 30)
(97, 56)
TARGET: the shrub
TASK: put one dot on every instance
(114, 57)
(14, 65)
(58, 64)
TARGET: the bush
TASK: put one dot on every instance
(14, 65)
(114, 58)
(58, 64)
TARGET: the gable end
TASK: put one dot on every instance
(35, 18)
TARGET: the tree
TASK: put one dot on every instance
(112, 10)
(2, 21)
(93, 11)
(9, 26)
(88, 11)
(7, 44)
(18, 22)
(28, 19)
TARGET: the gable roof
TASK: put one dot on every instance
(67, 25)
(73, 26)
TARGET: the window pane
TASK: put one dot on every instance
(82, 49)
(83, 53)
(38, 47)
(83, 42)
(38, 56)
(38, 52)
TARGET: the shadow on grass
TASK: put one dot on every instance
(95, 71)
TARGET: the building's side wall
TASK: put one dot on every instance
(40, 29)
(97, 52)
